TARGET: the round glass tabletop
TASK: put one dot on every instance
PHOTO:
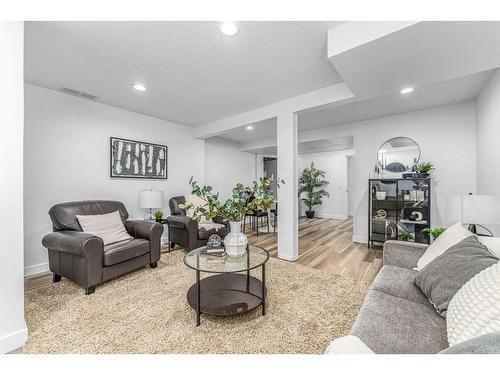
(254, 257)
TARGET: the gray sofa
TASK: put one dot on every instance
(396, 317)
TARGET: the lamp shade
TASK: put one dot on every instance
(473, 209)
(150, 199)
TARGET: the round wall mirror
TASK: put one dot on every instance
(398, 154)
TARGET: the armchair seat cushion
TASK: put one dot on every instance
(204, 234)
(122, 251)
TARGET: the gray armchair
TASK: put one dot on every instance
(184, 231)
(83, 258)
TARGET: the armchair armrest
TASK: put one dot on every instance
(220, 220)
(147, 230)
(73, 242)
(183, 222)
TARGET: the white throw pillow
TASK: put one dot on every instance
(492, 243)
(109, 227)
(196, 201)
(447, 239)
(475, 309)
(348, 345)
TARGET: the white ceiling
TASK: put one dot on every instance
(307, 147)
(261, 129)
(193, 73)
(449, 92)
(418, 55)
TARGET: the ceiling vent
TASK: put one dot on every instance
(81, 94)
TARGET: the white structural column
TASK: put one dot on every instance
(287, 195)
(13, 332)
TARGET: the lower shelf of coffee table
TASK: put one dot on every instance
(227, 294)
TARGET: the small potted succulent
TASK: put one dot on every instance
(405, 236)
(423, 169)
(158, 215)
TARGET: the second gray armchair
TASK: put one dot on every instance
(184, 231)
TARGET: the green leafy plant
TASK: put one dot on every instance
(434, 232)
(405, 236)
(244, 200)
(311, 183)
(424, 167)
(158, 214)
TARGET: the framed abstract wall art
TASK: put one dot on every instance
(135, 159)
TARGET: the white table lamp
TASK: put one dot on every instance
(149, 199)
(473, 209)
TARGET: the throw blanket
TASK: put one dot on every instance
(209, 226)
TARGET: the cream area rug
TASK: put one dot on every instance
(146, 311)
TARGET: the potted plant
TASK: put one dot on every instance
(405, 236)
(244, 200)
(158, 215)
(433, 232)
(312, 183)
(423, 169)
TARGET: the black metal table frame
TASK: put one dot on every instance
(198, 284)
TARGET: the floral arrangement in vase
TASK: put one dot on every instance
(244, 200)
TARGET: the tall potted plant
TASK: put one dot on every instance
(244, 200)
(311, 184)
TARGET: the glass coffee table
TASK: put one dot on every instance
(231, 290)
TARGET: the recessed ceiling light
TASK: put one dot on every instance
(228, 28)
(249, 127)
(406, 90)
(139, 86)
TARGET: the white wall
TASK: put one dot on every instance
(67, 159)
(335, 165)
(13, 332)
(447, 137)
(488, 140)
(226, 165)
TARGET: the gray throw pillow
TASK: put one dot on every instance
(441, 279)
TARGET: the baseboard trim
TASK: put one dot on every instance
(360, 239)
(319, 215)
(36, 269)
(13, 341)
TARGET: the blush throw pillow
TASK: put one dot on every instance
(109, 227)
(447, 239)
(442, 278)
(475, 309)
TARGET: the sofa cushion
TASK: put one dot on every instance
(485, 344)
(403, 254)
(442, 278)
(398, 282)
(389, 324)
(122, 251)
(447, 239)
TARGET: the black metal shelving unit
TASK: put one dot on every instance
(406, 207)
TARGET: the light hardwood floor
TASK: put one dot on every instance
(327, 244)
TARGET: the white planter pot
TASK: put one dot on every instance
(235, 242)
